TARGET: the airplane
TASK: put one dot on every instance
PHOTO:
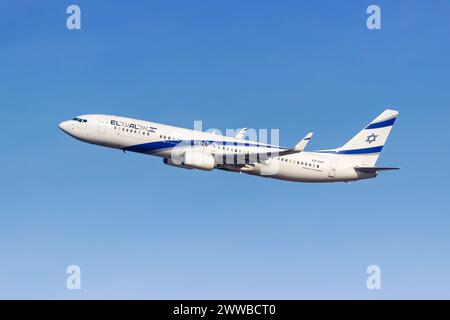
(193, 149)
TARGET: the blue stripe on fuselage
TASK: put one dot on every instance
(166, 144)
(152, 146)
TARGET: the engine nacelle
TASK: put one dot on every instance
(198, 160)
(169, 162)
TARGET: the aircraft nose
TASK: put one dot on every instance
(64, 126)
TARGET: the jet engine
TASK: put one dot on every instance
(169, 162)
(193, 160)
(198, 160)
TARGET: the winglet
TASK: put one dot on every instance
(302, 144)
(298, 148)
(241, 133)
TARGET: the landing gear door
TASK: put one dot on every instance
(332, 171)
(102, 125)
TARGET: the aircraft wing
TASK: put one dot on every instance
(262, 156)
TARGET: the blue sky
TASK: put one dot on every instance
(139, 229)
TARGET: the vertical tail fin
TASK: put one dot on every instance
(369, 142)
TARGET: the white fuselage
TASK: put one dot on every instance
(166, 141)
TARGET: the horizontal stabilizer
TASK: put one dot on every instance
(375, 169)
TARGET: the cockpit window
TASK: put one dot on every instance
(79, 120)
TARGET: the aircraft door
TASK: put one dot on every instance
(332, 171)
(102, 125)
